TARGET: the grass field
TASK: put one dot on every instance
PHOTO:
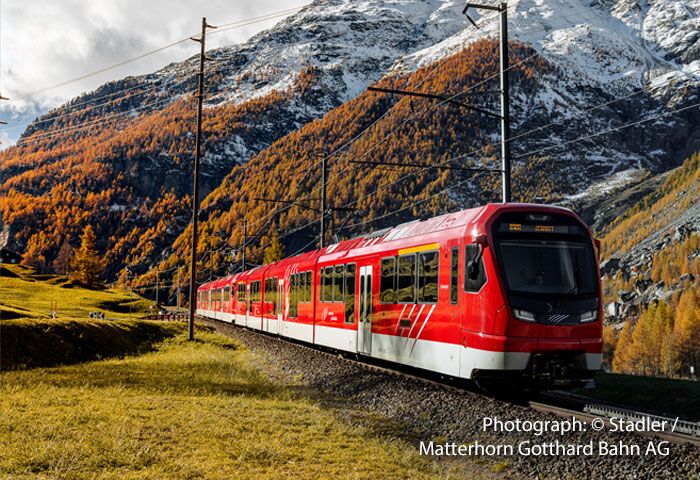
(30, 336)
(28, 343)
(27, 294)
(664, 395)
(187, 411)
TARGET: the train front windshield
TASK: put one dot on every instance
(548, 266)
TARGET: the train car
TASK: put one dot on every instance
(500, 292)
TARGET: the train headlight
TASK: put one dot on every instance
(591, 316)
(524, 315)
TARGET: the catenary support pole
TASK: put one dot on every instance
(323, 202)
(505, 105)
(195, 189)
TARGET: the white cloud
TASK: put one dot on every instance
(45, 42)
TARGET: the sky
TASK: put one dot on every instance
(46, 42)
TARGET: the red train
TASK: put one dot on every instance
(503, 291)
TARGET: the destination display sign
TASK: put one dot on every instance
(537, 228)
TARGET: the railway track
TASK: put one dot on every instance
(563, 404)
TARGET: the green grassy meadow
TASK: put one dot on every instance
(26, 294)
(186, 410)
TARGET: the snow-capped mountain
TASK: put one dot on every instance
(604, 65)
(602, 50)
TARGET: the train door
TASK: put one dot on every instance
(279, 307)
(364, 326)
(247, 303)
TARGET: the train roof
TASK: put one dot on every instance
(474, 218)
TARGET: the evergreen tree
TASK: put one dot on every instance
(275, 252)
(87, 264)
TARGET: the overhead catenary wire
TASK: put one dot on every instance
(226, 26)
(347, 143)
(582, 138)
(374, 146)
(284, 208)
(610, 130)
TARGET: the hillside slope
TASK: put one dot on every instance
(652, 251)
(291, 93)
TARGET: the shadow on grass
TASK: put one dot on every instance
(46, 343)
(210, 366)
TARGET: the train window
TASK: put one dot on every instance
(326, 286)
(338, 290)
(270, 293)
(255, 288)
(273, 298)
(307, 284)
(387, 285)
(454, 274)
(471, 252)
(406, 281)
(428, 266)
(301, 287)
(293, 295)
(350, 293)
(241, 292)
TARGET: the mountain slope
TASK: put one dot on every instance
(587, 71)
(652, 251)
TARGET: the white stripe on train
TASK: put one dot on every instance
(446, 358)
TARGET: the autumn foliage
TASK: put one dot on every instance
(663, 341)
(408, 129)
(87, 265)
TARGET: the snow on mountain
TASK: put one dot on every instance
(601, 50)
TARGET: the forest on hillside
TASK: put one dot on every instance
(130, 178)
(400, 130)
(660, 336)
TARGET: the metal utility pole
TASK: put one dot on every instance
(505, 105)
(245, 241)
(157, 288)
(195, 193)
(2, 122)
(178, 288)
(323, 202)
(505, 91)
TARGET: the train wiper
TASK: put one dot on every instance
(567, 296)
(574, 289)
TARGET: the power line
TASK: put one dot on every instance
(228, 26)
(611, 130)
(347, 143)
(45, 119)
(37, 137)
